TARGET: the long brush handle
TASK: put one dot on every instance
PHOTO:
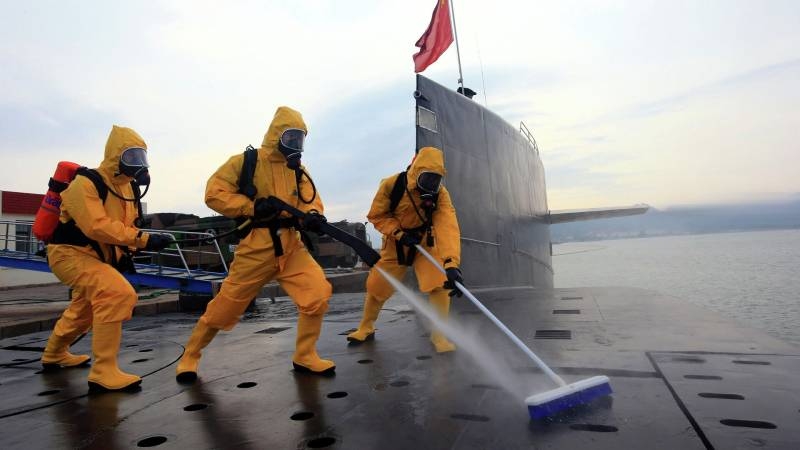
(497, 322)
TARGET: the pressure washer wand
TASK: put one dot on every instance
(550, 402)
(367, 253)
(497, 322)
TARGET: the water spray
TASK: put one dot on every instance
(547, 403)
(488, 359)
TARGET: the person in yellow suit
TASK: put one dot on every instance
(95, 232)
(273, 249)
(423, 215)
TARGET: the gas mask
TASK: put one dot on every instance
(133, 163)
(428, 184)
(291, 146)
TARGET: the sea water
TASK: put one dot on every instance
(751, 277)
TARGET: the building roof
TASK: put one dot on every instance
(21, 203)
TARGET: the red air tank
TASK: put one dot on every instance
(49, 211)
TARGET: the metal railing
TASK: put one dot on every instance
(182, 253)
(17, 241)
(528, 135)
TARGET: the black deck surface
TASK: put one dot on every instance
(677, 371)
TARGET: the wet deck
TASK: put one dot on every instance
(683, 378)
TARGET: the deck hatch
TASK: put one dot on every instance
(748, 423)
(721, 396)
(702, 377)
(272, 330)
(553, 334)
(750, 362)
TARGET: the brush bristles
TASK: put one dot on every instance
(570, 396)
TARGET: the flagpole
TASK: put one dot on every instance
(458, 53)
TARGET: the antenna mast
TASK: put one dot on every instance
(458, 52)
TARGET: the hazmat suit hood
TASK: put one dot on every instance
(119, 140)
(284, 119)
(428, 159)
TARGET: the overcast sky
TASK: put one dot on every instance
(659, 102)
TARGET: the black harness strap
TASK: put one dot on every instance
(398, 190)
(97, 180)
(246, 185)
(364, 251)
(57, 186)
(276, 224)
(69, 233)
(248, 188)
(406, 257)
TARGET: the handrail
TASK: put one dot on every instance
(29, 242)
(180, 251)
(26, 246)
(528, 135)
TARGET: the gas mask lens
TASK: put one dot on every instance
(133, 163)
(429, 182)
(134, 157)
(292, 139)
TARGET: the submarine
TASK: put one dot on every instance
(683, 377)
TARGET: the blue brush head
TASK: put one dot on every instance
(570, 398)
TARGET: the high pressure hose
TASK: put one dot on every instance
(242, 226)
(299, 176)
(137, 198)
(28, 361)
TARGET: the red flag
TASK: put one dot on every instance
(435, 40)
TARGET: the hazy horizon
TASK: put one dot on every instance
(679, 103)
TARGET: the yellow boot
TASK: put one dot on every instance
(56, 354)
(186, 372)
(105, 374)
(305, 357)
(366, 329)
(441, 303)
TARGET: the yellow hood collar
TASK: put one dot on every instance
(284, 119)
(428, 159)
(119, 140)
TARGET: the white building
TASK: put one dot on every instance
(17, 211)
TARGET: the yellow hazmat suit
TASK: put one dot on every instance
(446, 245)
(101, 297)
(255, 262)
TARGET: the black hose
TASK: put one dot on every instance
(28, 361)
(136, 198)
(299, 175)
(19, 363)
(244, 224)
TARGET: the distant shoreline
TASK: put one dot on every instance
(692, 233)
